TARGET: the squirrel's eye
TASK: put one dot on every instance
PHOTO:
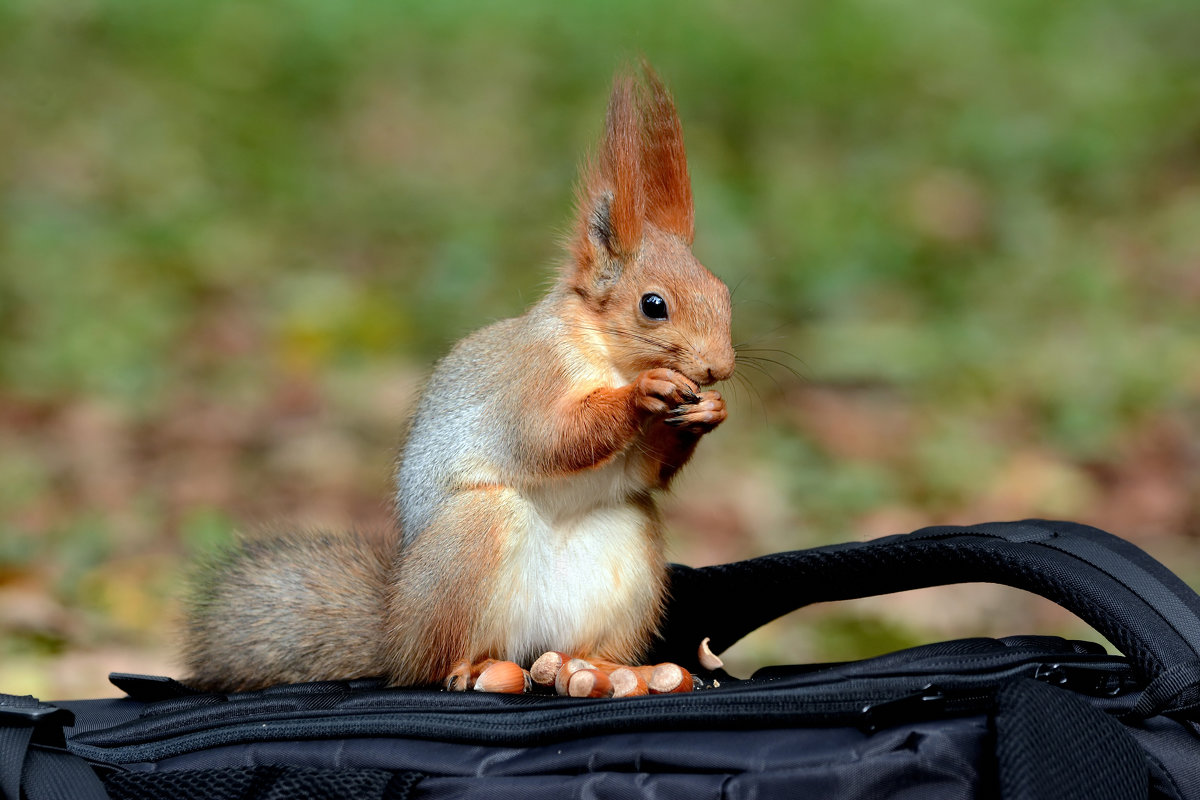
(653, 306)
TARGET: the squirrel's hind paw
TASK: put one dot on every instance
(488, 675)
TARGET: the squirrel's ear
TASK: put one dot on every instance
(664, 162)
(611, 197)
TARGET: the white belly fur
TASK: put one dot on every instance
(574, 570)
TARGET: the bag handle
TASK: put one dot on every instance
(1133, 600)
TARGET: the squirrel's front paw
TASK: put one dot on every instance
(707, 412)
(657, 391)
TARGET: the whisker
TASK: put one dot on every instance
(764, 372)
(746, 385)
(665, 346)
(744, 349)
(767, 373)
(737, 386)
(738, 382)
(760, 360)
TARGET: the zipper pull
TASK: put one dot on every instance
(1086, 680)
(928, 701)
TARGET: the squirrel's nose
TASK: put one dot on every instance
(720, 372)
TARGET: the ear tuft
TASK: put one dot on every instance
(614, 185)
(620, 164)
(639, 174)
(664, 161)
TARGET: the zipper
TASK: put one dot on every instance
(526, 724)
(1086, 679)
(867, 703)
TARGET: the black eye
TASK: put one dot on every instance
(653, 306)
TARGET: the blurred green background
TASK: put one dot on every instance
(234, 236)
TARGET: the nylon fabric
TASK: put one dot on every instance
(14, 743)
(34, 771)
(59, 775)
(1050, 745)
(728, 601)
(943, 746)
(1174, 689)
(262, 783)
(1154, 586)
(962, 719)
(898, 762)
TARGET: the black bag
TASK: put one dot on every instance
(1021, 717)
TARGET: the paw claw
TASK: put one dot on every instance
(659, 389)
(705, 412)
(459, 679)
(488, 675)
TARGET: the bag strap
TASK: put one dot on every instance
(34, 762)
(1053, 745)
(1133, 600)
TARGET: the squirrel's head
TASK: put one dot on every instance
(632, 262)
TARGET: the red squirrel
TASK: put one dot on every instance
(525, 491)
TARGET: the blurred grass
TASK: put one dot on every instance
(234, 236)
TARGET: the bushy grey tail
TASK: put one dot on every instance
(288, 608)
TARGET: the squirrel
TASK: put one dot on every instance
(525, 490)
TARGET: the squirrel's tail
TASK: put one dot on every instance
(288, 608)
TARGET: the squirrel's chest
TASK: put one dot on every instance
(582, 571)
(562, 500)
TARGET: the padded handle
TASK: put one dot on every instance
(1134, 601)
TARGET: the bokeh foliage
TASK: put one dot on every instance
(234, 235)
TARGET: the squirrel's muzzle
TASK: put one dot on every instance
(719, 369)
